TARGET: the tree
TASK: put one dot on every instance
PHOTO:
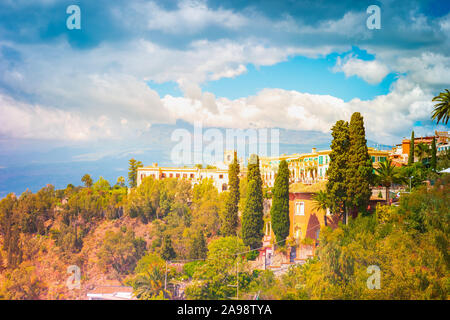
(167, 251)
(121, 251)
(132, 172)
(322, 203)
(22, 283)
(433, 163)
(230, 217)
(279, 212)
(198, 246)
(121, 181)
(387, 174)
(442, 108)
(359, 172)
(215, 277)
(336, 184)
(411, 150)
(102, 184)
(252, 217)
(422, 150)
(10, 230)
(87, 180)
(148, 284)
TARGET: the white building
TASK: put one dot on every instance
(218, 174)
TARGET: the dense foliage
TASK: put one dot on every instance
(409, 244)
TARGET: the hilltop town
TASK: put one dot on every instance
(249, 229)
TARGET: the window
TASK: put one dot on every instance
(184, 175)
(178, 175)
(220, 176)
(192, 176)
(171, 175)
(373, 159)
(321, 160)
(300, 208)
(163, 175)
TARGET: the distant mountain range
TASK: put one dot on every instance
(43, 164)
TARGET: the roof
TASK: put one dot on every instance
(110, 289)
(305, 188)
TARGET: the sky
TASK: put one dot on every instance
(87, 100)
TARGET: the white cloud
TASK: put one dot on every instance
(191, 17)
(371, 71)
(21, 120)
(73, 90)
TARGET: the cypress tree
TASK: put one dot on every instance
(336, 184)
(252, 217)
(230, 216)
(433, 154)
(411, 150)
(359, 172)
(167, 251)
(198, 247)
(279, 212)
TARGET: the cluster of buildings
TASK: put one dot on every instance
(400, 152)
(308, 176)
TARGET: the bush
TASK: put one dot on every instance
(252, 255)
(190, 267)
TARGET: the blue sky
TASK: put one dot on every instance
(86, 100)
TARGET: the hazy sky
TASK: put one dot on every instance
(137, 68)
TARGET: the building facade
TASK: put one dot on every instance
(308, 168)
(217, 173)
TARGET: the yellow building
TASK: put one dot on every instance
(308, 168)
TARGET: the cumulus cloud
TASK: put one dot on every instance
(24, 121)
(372, 71)
(190, 17)
(101, 91)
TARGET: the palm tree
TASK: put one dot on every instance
(150, 285)
(442, 109)
(422, 150)
(387, 174)
(321, 202)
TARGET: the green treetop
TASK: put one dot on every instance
(359, 172)
(198, 248)
(132, 172)
(167, 251)
(336, 185)
(252, 217)
(230, 216)
(87, 180)
(279, 211)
